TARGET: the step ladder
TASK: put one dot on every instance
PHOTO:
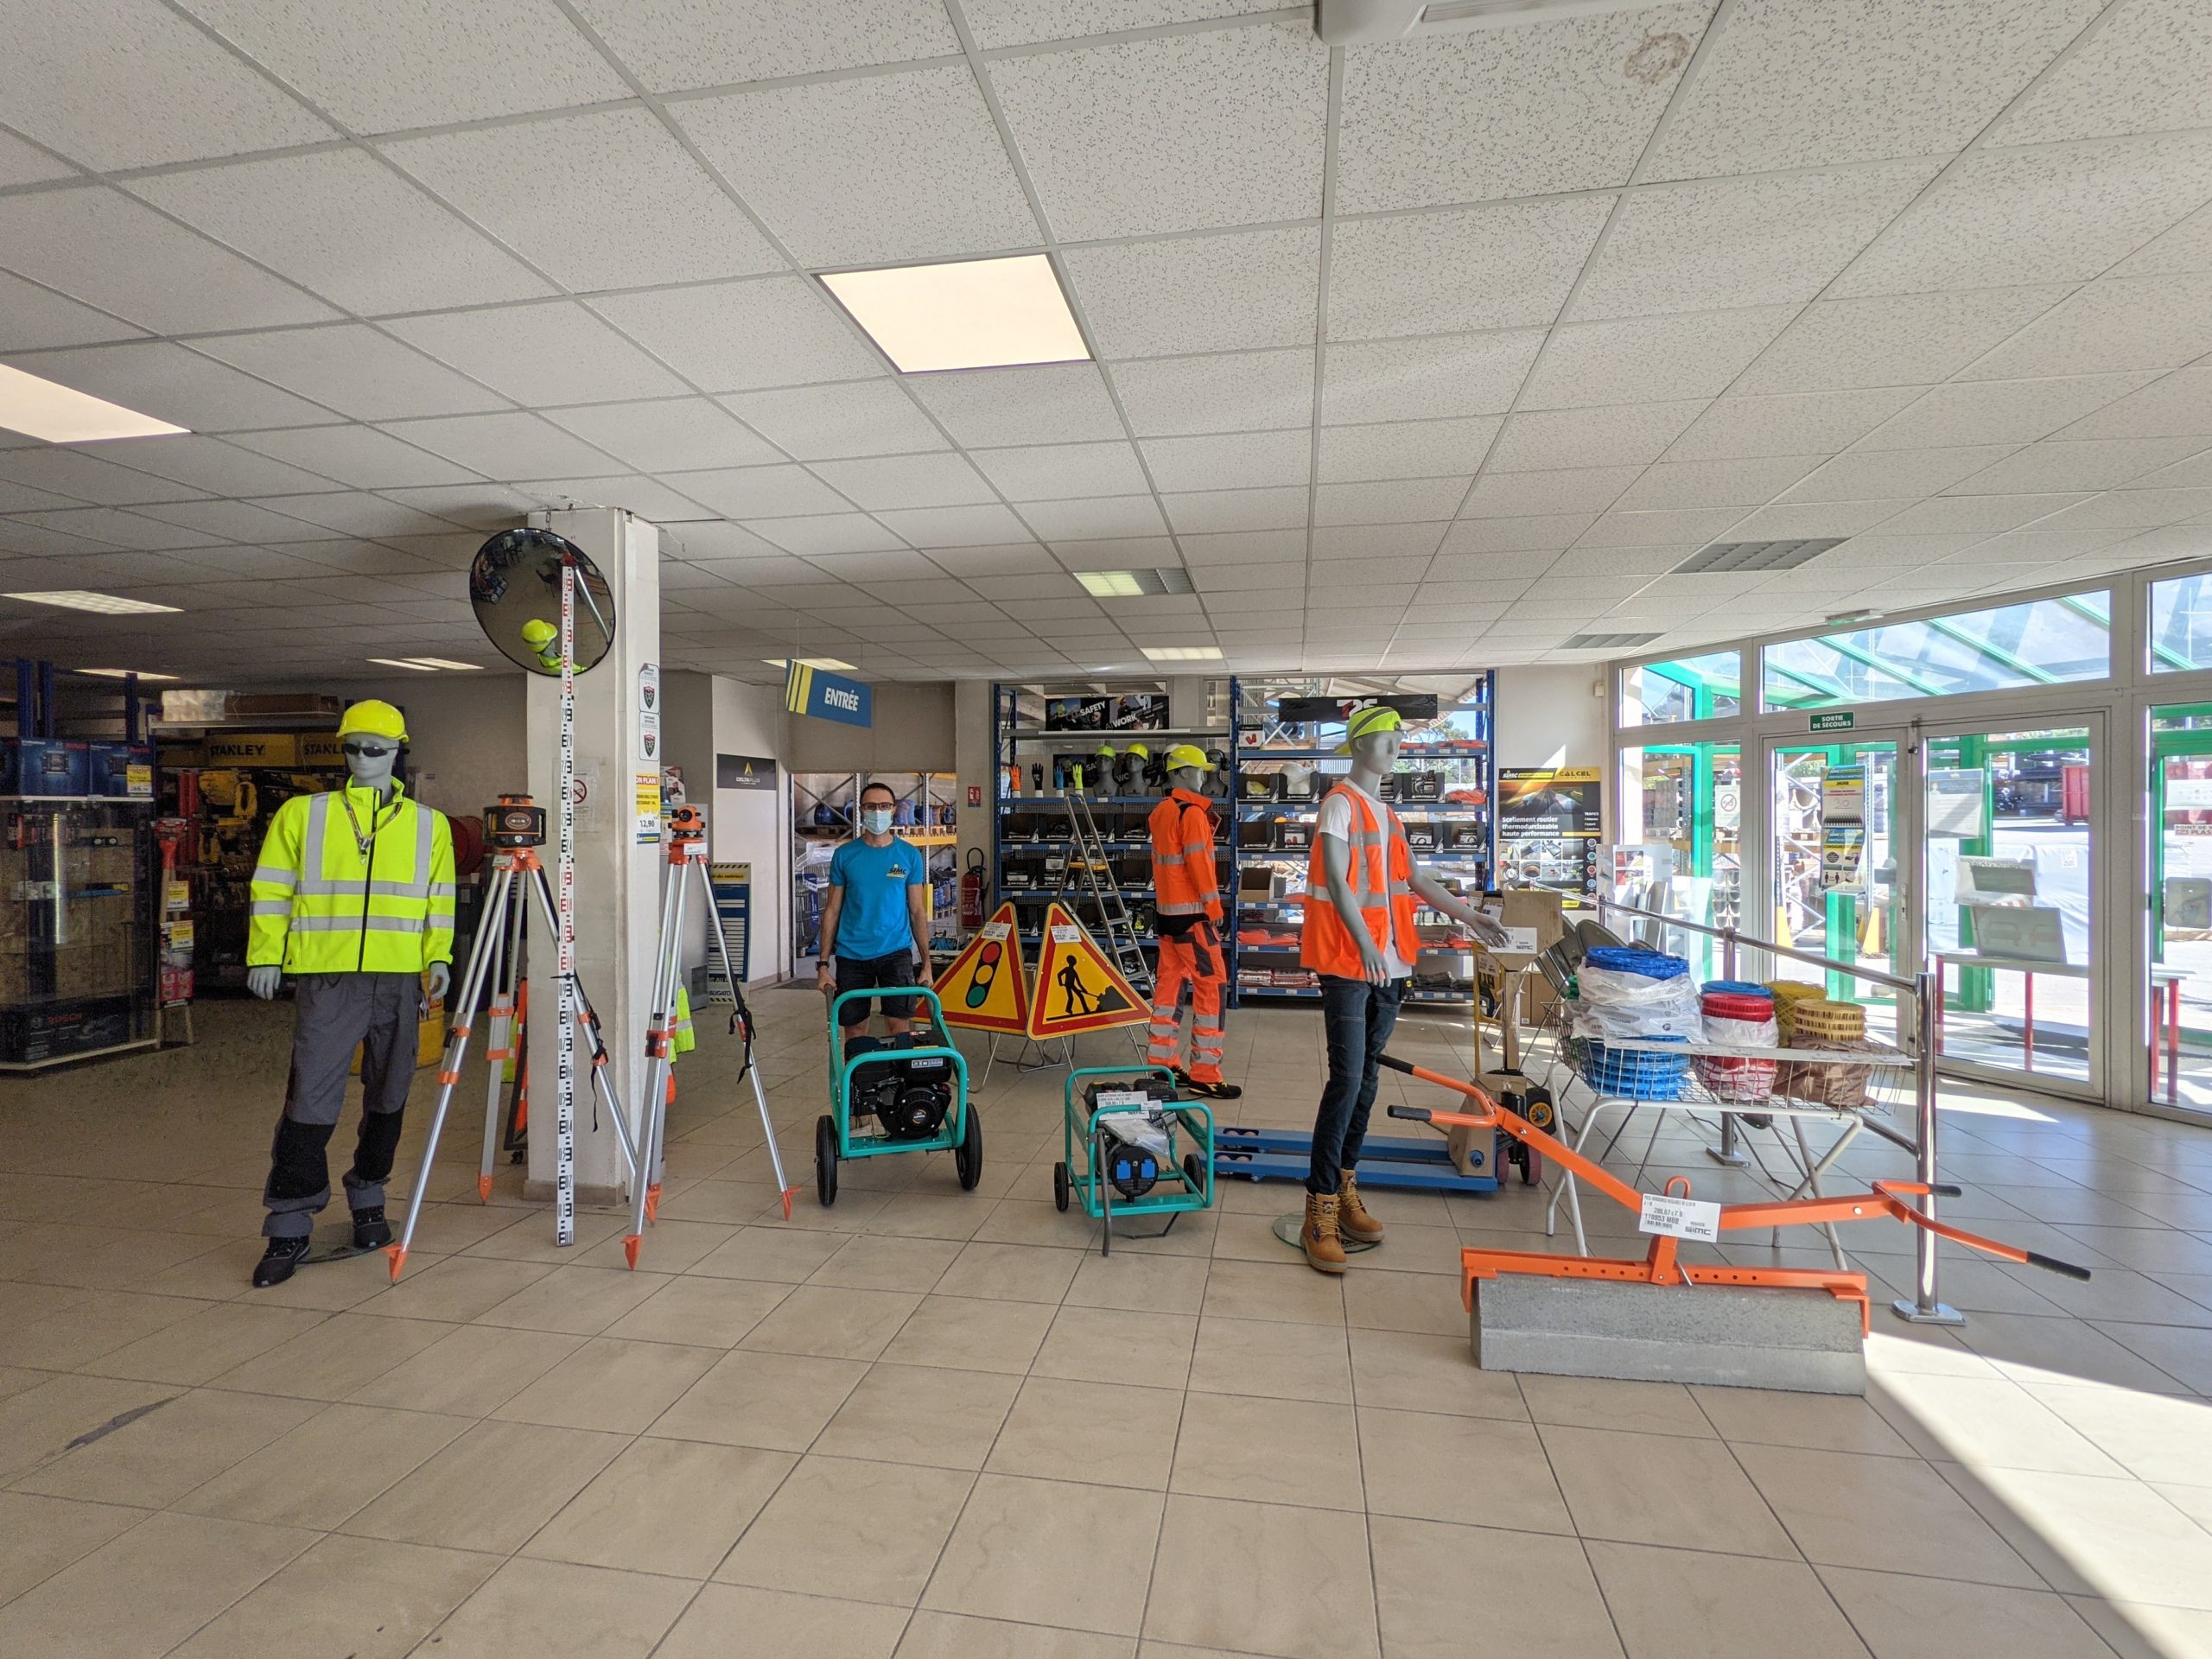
(1117, 929)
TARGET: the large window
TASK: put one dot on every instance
(2013, 647)
(1710, 687)
(2181, 624)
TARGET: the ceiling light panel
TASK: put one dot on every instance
(1134, 584)
(75, 599)
(401, 662)
(828, 662)
(1183, 653)
(42, 408)
(439, 662)
(975, 313)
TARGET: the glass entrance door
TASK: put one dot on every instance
(1833, 871)
(2180, 989)
(2009, 925)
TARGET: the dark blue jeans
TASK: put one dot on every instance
(1358, 1018)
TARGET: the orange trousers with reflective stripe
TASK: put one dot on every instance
(1194, 960)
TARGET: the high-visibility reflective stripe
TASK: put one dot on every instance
(326, 887)
(274, 875)
(311, 840)
(441, 889)
(1163, 908)
(271, 907)
(424, 823)
(346, 924)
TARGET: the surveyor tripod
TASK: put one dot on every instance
(687, 863)
(516, 830)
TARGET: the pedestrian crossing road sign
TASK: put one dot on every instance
(1078, 987)
(985, 988)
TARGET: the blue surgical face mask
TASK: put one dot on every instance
(875, 820)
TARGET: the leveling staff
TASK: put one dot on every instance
(875, 928)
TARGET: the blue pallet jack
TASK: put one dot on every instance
(1286, 1155)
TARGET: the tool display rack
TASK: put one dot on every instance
(1444, 975)
(1030, 829)
(822, 812)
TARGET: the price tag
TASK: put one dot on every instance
(1064, 934)
(997, 931)
(1123, 1100)
(1680, 1217)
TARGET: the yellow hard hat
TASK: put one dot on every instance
(1187, 754)
(1365, 722)
(373, 718)
(537, 633)
(1104, 749)
(1139, 750)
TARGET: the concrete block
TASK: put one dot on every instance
(1805, 1340)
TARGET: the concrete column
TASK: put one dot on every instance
(974, 764)
(618, 878)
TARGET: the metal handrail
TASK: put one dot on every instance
(1926, 1306)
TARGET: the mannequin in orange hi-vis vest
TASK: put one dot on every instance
(1186, 908)
(1362, 889)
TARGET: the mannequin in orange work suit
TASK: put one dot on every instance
(1186, 907)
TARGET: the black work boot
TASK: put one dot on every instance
(279, 1259)
(370, 1230)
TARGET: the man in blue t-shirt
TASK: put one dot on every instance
(875, 928)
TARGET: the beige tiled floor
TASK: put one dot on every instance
(929, 1424)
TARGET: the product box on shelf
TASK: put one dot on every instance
(1291, 837)
(1298, 785)
(44, 765)
(1421, 834)
(1465, 837)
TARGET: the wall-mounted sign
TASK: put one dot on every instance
(648, 808)
(1836, 722)
(828, 696)
(649, 712)
(743, 771)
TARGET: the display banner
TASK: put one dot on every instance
(1549, 819)
(828, 696)
(743, 771)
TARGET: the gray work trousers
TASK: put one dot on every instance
(335, 1013)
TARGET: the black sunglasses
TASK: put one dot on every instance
(369, 751)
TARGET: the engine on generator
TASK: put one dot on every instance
(908, 1095)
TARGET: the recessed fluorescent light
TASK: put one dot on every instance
(977, 313)
(40, 408)
(75, 599)
(124, 673)
(1184, 653)
(401, 662)
(830, 662)
(1131, 584)
(439, 662)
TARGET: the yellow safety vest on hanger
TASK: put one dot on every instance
(348, 883)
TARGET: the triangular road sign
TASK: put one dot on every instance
(986, 989)
(1078, 987)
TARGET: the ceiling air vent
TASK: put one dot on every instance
(1350, 23)
(1755, 555)
(1605, 641)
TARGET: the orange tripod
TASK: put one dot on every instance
(1660, 1265)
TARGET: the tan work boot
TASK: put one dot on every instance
(1354, 1220)
(1324, 1253)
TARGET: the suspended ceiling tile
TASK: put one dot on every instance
(2060, 215)
(342, 224)
(1541, 533)
(353, 369)
(359, 457)
(23, 162)
(1006, 558)
(861, 417)
(1805, 83)
(82, 477)
(2131, 508)
(750, 492)
(975, 526)
(670, 45)
(2186, 247)
(715, 540)
(99, 246)
(2194, 473)
(653, 499)
(1524, 495)
(607, 198)
(1999, 412)
(993, 407)
(1372, 542)
(1239, 391)
(171, 384)
(1063, 472)
(1879, 474)
(211, 465)
(1508, 266)
(131, 84)
(545, 352)
(1616, 562)
(1531, 110)
(1650, 359)
(32, 318)
(1402, 501)
(1943, 515)
(928, 480)
(666, 433)
(1794, 423)
(2175, 405)
(2145, 70)
(1021, 22)
(1221, 510)
(1694, 526)
(1904, 339)
(356, 513)
(1107, 133)
(1366, 382)
(867, 169)
(741, 336)
(512, 444)
(480, 507)
(2078, 464)
(2140, 322)
(116, 527)
(1235, 461)
(1096, 520)
(1791, 521)
(1185, 294)
(1693, 484)
(1351, 455)
(1727, 243)
(380, 66)
(1244, 546)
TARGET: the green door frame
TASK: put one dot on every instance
(1842, 919)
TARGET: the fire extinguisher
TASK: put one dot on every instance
(971, 891)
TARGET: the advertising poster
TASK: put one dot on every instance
(1549, 819)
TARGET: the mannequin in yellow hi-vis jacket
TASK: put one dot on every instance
(352, 897)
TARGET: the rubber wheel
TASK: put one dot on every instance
(1060, 1187)
(1532, 1166)
(1194, 1171)
(968, 1156)
(825, 1159)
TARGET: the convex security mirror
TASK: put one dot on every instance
(515, 585)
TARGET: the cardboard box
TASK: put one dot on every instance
(1543, 911)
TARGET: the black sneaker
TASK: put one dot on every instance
(370, 1230)
(1213, 1090)
(279, 1259)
